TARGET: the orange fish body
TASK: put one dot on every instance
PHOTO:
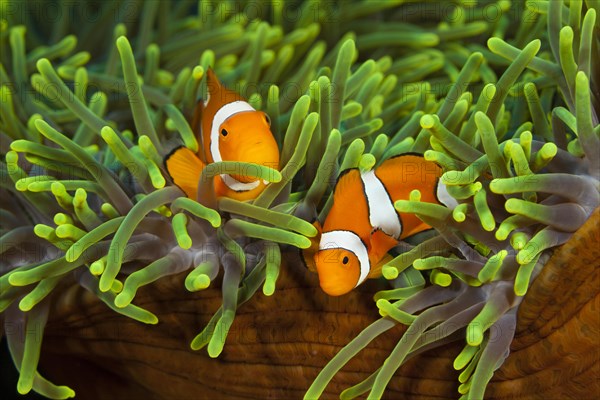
(229, 129)
(363, 225)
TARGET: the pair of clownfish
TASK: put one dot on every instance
(362, 225)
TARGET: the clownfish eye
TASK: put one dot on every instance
(224, 132)
(345, 260)
(268, 120)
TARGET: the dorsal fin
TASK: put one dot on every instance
(213, 85)
(350, 210)
(196, 126)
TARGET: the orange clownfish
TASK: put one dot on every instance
(363, 225)
(229, 129)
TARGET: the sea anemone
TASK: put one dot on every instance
(504, 96)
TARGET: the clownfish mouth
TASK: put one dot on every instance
(332, 283)
(333, 288)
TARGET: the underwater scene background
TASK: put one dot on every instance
(138, 290)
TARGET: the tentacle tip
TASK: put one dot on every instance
(97, 268)
(40, 124)
(185, 242)
(474, 341)
(311, 232)
(214, 349)
(401, 204)
(122, 41)
(523, 258)
(382, 303)
(464, 389)
(489, 227)
(346, 395)
(43, 63)
(67, 392)
(13, 279)
(105, 284)
(581, 78)
(71, 255)
(520, 290)
(474, 336)
(24, 386)
(201, 282)
(501, 235)
(390, 273)
(11, 157)
(194, 346)
(443, 280)
(122, 300)
(26, 305)
(268, 289)
(198, 342)
(303, 242)
(495, 186)
(427, 121)
(459, 217)
(458, 364)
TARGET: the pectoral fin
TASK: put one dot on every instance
(376, 270)
(378, 256)
(308, 255)
(185, 168)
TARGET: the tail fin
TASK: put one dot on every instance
(442, 195)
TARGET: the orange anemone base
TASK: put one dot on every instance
(278, 344)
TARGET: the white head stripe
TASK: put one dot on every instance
(221, 116)
(350, 241)
(382, 213)
(444, 197)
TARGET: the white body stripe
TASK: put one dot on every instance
(221, 116)
(350, 241)
(444, 197)
(382, 213)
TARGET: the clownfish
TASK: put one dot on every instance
(363, 225)
(229, 129)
